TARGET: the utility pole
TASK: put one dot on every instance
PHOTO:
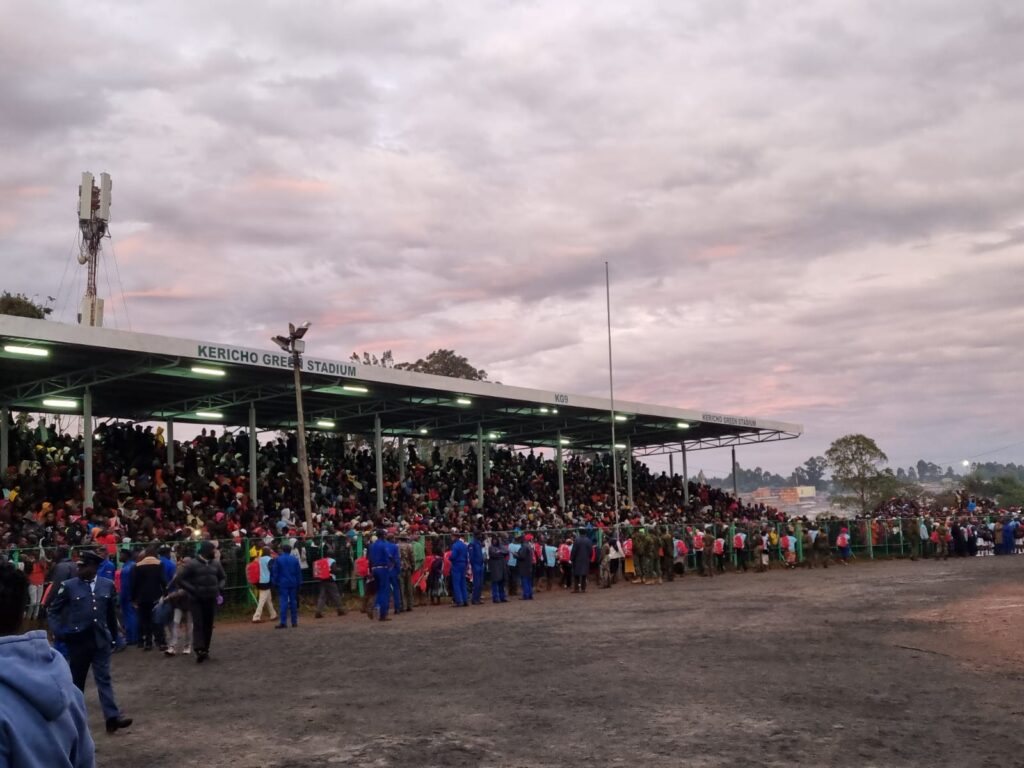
(295, 346)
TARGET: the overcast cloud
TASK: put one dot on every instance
(813, 212)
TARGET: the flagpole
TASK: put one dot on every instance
(611, 392)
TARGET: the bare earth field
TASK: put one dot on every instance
(875, 664)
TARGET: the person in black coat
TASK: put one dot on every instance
(202, 578)
(497, 566)
(580, 556)
(149, 583)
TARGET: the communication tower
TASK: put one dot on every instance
(93, 215)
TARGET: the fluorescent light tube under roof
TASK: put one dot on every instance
(55, 402)
(204, 371)
(208, 414)
(325, 423)
(620, 418)
(16, 349)
(682, 425)
(353, 388)
(464, 401)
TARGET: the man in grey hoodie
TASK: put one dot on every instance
(42, 714)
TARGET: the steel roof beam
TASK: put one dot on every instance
(77, 381)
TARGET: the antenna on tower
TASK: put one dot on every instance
(93, 215)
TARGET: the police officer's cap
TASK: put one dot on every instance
(91, 558)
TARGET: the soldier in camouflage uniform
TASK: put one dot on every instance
(709, 553)
(640, 543)
(911, 531)
(407, 564)
(604, 579)
(942, 545)
(668, 555)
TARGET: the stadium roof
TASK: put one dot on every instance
(47, 367)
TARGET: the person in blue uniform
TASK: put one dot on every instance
(459, 560)
(476, 562)
(286, 574)
(380, 567)
(394, 571)
(83, 614)
(128, 612)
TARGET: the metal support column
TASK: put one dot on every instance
(561, 473)
(253, 453)
(686, 478)
(87, 440)
(5, 438)
(735, 480)
(402, 450)
(480, 467)
(170, 446)
(629, 471)
(378, 450)
(671, 467)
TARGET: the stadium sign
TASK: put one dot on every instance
(734, 421)
(224, 354)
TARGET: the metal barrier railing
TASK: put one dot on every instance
(868, 538)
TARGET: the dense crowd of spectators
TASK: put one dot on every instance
(139, 498)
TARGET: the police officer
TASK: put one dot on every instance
(83, 614)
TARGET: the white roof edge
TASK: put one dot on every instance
(63, 333)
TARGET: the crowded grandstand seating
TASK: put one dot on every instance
(138, 496)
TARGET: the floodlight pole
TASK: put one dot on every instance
(307, 503)
(611, 392)
(293, 344)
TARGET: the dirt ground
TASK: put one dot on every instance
(876, 664)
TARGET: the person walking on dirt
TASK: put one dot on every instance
(266, 596)
(83, 614)
(202, 578)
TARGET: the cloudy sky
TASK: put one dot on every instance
(813, 212)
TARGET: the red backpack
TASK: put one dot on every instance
(322, 569)
(252, 572)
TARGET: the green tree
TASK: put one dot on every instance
(21, 305)
(811, 472)
(855, 462)
(444, 362)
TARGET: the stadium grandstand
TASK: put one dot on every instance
(52, 368)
